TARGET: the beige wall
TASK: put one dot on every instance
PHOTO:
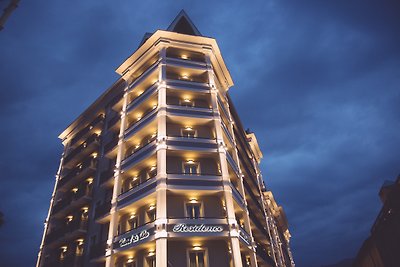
(207, 165)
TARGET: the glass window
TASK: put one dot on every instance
(191, 168)
(189, 132)
(193, 210)
(133, 222)
(196, 258)
(151, 261)
(151, 213)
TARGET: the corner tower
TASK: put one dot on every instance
(159, 172)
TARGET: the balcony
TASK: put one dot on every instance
(142, 97)
(88, 146)
(232, 162)
(112, 123)
(135, 126)
(262, 253)
(75, 175)
(95, 124)
(238, 196)
(192, 143)
(180, 110)
(98, 250)
(111, 145)
(139, 191)
(71, 202)
(71, 231)
(102, 210)
(139, 154)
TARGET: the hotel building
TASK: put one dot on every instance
(159, 171)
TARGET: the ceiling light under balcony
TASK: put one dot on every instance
(185, 77)
(74, 190)
(196, 248)
(151, 253)
(187, 100)
(152, 207)
(129, 260)
(184, 56)
(89, 180)
(190, 161)
(193, 200)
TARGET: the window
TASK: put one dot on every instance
(133, 222)
(189, 132)
(151, 213)
(193, 210)
(191, 167)
(79, 248)
(197, 258)
(151, 261)
(152, 172)
(134, 182)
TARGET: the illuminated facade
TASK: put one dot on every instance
(159, 170)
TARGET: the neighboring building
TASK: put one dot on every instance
(382, 248)
(159, 170)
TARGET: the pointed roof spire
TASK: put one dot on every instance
(183, 24)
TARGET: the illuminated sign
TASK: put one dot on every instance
(133, 238)
(126, 241)
(197, 228)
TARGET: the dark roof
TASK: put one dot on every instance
(183, 24)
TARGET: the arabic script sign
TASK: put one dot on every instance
(134, 238)
(197, 228)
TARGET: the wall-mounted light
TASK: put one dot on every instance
(134, 178)
(154, 106)
(188, 128)
(80, 242)
(187, 100)
(153, 168)
(85, 209)
(184, 56)
(89, 180)
(69, 218)
(196, 247)
(90, 127)
(152, 207)
(139, 93)
(74, 190)
(185, 77)
(151, 253)
(190, 161)
(133, 215)
(193, 200)
(64, 248)
(94, 155)
(130, 260)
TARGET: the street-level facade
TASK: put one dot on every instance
(159, 170)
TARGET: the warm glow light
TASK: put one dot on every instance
(185, 76)
(188, 128)
(154, 106)
(94, 155)
(129, 260)
(133, 215)
(151, 253)
(184, 56)
(89, 180)
(90, 127)
(80, 241)
(64, 249)
(193, 200)
(196, 248)
(152, 207)
(139, 93)
(186, 100)
(74, 190)
(190, 161)
(70, 217)
(153, 168)
(85, 209)
(153, 135)
(134, 178)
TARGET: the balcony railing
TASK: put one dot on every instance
(87, 129)
(200, 143)
(144, 75)
(139, 184)
(179, 84)
(134, 126)
(98, 250)
(244, 236)
(93, 139)
(141, 98)
(263, 254)
(89, 164)
(102, 209)
(191, 111)
(69, 229)
(68, 202)
(113, 121)
(237, 195)
(138, 154)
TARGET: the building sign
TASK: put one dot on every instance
(245, 237)
(197, 228)
(134, 238)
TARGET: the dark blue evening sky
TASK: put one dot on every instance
(317, 81)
